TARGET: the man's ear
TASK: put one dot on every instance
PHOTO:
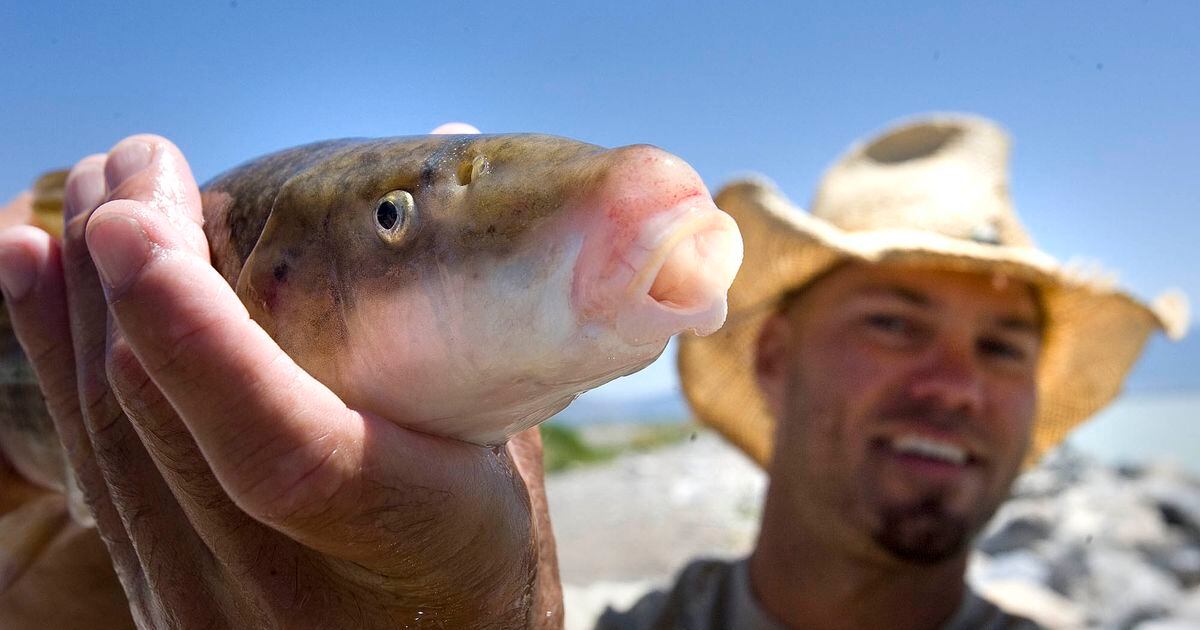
(771, 361)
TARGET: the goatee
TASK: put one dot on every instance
(922, 532)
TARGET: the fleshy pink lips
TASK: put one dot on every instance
(664, 259)
(681, 281)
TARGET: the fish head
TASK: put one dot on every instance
(472, 286)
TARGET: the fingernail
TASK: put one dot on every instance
(18, 272)
(127, 159)
(84, 190)
(118, 246)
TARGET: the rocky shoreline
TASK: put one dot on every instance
(1080, 544)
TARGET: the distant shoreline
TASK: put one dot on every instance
(1139, 428)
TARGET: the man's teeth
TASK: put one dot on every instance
(932, 449)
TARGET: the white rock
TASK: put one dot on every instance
(1189, 606)
(1034, 602)
(1108, 511)
(1019, 566)
(1172, 623)
(1123, 589)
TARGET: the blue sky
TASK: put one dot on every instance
(1101, 98)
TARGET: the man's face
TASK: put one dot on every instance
(906, 399)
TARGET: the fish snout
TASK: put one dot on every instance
(663, 256)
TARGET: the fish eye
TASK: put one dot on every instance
(473, 170)
(393, 215)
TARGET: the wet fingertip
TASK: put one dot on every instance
(119, 248)
(131, 156)
(18, 269)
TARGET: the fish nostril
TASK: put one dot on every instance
(464, 174)
(471, 171)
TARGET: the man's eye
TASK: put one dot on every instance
(888, 323)
(1001, 349)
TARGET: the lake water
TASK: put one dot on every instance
(1144, 427)
(1137, 428)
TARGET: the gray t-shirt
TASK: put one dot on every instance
(715, 595)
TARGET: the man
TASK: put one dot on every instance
(892, 359)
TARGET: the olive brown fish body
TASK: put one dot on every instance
(471, 286)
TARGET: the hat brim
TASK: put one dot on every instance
(1094, 330)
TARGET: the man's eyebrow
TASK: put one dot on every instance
(1020, 324)
(915, 298)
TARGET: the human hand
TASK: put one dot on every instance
(54, 572)
(28, 444)
(231, 488)
(18, 210)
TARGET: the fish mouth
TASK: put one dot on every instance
(688, 259)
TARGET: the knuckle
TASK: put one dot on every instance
(114, 537)
(46, 352)
(135, 392)
(96, 399)
(305, 484)
(181, 345)
(142, 523)
(124, 371)
(107, 425)
(59, 388)
(111, 435)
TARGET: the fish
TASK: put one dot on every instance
(466, 286)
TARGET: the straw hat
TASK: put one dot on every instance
(931, 192)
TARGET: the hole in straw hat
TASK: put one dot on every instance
(912, 143)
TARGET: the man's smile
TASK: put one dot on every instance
(929, 455)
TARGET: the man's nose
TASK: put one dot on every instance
(952, 378)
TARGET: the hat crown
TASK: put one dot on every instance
(947, 175)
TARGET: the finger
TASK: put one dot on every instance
(18, 210)
(148, 513)
(525, 448)
(34, 292)
(151, 170)
(27, 438)
(284, 447)
(25, 532)
(453, 128)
